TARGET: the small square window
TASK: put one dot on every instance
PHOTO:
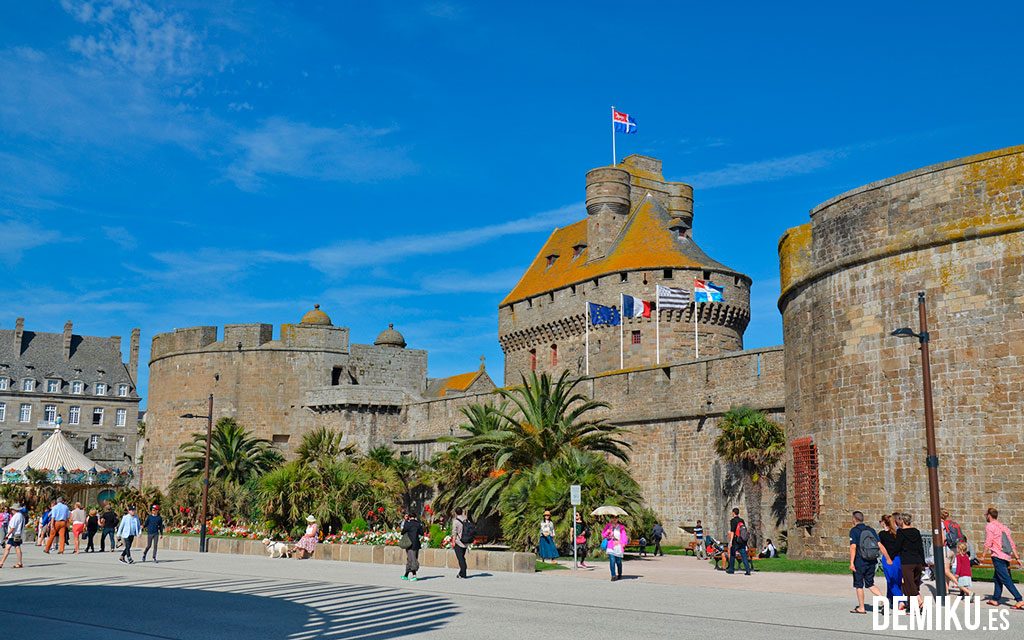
(551, 260)
(624, 277)
(28, 384)
(577, 250)
(281, 438)
(667, 274)
(76, 386)
(122, 390)
(52, 386)
(97, 416)
(636, 337)
(101, 388)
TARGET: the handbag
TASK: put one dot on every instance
(581, 539)
(604, 545)
(405, 542)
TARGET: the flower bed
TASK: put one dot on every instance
(381, 538)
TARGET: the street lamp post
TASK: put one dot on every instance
(932, 460)
(206, 472)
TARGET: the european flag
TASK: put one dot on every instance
(602, 315)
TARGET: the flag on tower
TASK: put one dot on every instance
(624, 123)
(672, 297)
(707, 291)
(635, 307)
(600, 314)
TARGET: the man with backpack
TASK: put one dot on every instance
(738, 537)
(463, 532)
(1000, 545)
(864, 553)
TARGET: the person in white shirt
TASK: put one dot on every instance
(769, 550)
(127, 530)
(15, 530)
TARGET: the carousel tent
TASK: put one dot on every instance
(55, 454)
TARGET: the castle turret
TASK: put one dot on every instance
(608, 206)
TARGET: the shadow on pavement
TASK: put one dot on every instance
(230, 608)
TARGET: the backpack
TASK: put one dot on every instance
(468, 532)
(1007, 544)
(742, 533)
(954, 534)
(868, 545)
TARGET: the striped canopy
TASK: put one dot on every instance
(56, 453)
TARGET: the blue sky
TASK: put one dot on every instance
(170, 165)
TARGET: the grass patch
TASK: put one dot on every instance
(547, 566)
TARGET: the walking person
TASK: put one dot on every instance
(128, 528)
(78, 518)
(962, 570)
(154, 526)
(59, 515)
(462, 536)
(546, 549)
(5, 518)
(15, 531)
(614, 540)
(92, 525)
(44, 525)
(910, 548)
(864, 553)
(412, 528)
(582, 533)
(108, 521)
(1002, 548)
(891, 566)
(657, 533)
(952, 536)
(738, 536)
(698, 534)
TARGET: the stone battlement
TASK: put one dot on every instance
(247, 337)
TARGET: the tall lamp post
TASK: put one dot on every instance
(206, 471)
(932, 460)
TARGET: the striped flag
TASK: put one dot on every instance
(673, 298)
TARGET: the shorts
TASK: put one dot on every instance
(965, 581)
(912, 579)
(14, 542)
(863, 574)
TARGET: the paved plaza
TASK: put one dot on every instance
(189, 595)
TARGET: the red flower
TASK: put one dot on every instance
(381, 509)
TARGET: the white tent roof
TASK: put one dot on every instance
(55, 453)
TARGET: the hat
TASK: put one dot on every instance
(131, 508)
(16, 506)
(547, 513)
(310, 519)
(155, 506)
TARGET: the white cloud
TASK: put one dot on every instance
(283, 147)
(765, 170)
(18, 237)
(121, 237)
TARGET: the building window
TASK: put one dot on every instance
(3, 411)
(667, 274)
(533, 359)
(551, 260)
(707, 275)
(101, 388)
(551, 296)
(805, 480)
(554, 355)
(572, 289)
(121, 418)
(736, 281)
(25, 414)
(280, 438)
(529, 303)
(624, 277)
(597, 282)
(28, 384)
(94, 441)
(577, 250)
(74, 415)
(50, 413)
(636, 337)
(53, 386)
(76, 387)
(122, 390)
(3, 384)
(97, 416)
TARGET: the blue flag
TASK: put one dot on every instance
(707, 291)
(623, 122)
(600, 314)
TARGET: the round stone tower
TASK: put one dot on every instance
(854, 410)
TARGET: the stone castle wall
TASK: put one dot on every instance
(557, 318)
(849, 277)
(672, 414)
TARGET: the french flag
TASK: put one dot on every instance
(635, 307)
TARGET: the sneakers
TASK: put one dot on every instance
(130, 561)
(155, 561)
(143, 558)
(405, 577)
(122, 559)
(413, 579)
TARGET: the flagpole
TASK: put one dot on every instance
(586, 313)
(696, 338)
(622, 321)
(657, 329)
(614, 157)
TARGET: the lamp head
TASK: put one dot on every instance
(904, 332)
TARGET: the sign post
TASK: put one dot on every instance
(574, 498)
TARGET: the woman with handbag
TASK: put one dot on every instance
(614, 541)
(546, 549)
(582, 533)
(412, 529)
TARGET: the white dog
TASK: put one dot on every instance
(276, 549)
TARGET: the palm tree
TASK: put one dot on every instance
(323, 445)
(749, 439)
(401, 471)
(236, 457)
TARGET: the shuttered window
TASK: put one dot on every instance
(805, 480)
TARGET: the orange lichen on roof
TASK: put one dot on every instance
(459, 382)
(647, 241)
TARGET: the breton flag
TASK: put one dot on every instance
(635, 307)
(672, 298)
(706, 291)
(600, 314)
(624, 123)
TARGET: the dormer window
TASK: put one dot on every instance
(577, 250)
(76, 387)
(101, 388)
(28, 384)
(53, 386)
(551, 259)
(678, 230)
(122, 391)
(4, 382)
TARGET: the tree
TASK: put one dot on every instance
(749, 439)
(236, 457)
(401, 472)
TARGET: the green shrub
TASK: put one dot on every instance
(436, 536)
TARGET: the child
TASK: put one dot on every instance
(643, 546)
(962, 564)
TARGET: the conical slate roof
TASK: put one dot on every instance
(55, 453)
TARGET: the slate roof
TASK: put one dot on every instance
(646, 241)
(41, 356)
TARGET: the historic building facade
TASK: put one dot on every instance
(80, 381)
(854, 408)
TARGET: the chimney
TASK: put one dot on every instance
(67, 340)
(19, 333)
(115, 341)
(133, 355)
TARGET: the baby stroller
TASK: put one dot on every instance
(715, 551)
